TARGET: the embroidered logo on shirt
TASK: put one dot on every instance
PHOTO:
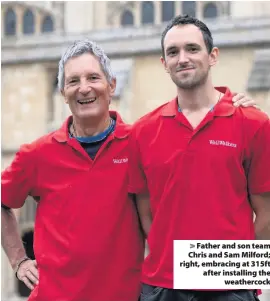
(119, 161)
(223, 143)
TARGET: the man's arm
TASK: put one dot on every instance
(137, 184)
(144, 211)
(13, 246)
(10, 237)
(259, 179)
(17, 182)
(261, 206)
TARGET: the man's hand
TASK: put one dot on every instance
(28, 273)
(240, 99)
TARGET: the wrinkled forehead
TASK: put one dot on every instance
(182, 35)
(83, 63)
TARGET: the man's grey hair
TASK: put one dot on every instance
(78, 48)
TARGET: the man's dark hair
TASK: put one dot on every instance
(184, 20)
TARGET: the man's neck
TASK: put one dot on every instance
(82, 128)
(200, 98)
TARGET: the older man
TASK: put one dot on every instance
(87, 243)
(87, 239)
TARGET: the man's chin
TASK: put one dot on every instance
(93, 114)
(189, 84)
(186, 85)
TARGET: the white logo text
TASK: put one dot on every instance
(119, 161)
(223, 143)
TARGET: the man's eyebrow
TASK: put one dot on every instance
(72, 77)
(193, 44)
(76, 76)
(171, 48)
(94, 73)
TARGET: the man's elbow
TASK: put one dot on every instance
(261, 207)
(262, 226)
(144, 212)
(3, 206)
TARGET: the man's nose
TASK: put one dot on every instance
(85, 87)
(183, 57)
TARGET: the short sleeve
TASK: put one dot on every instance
(18, 179)
(136, 177)
(259, 167)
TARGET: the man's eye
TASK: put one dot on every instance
(172, 52)
(193, 49)
(72, 81)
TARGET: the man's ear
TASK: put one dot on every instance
(112, 87)
(213, 56)
(163, 62)
(64, 95)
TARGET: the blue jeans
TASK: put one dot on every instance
(155, 293)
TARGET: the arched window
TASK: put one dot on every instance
(10, 22)
(147, 12)
(210, 10)
(167, 10)
(47, 24)
(28, 22)
(127, 18)
(189, 8)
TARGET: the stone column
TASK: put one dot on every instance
(137, 13)
(157, 12)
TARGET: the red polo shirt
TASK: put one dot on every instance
(198, 178)
(87, 241)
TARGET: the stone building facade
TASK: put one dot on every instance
(35, 33)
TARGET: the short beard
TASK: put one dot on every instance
(191, 84)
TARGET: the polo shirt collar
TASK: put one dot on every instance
(224, 107)
(62, 134)
(170, 109)
(121, 129)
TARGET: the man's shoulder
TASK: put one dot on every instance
(38, 143)
(150, 119)
(124, 125)
(253, 117)
(249, 115)
(28, 152)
